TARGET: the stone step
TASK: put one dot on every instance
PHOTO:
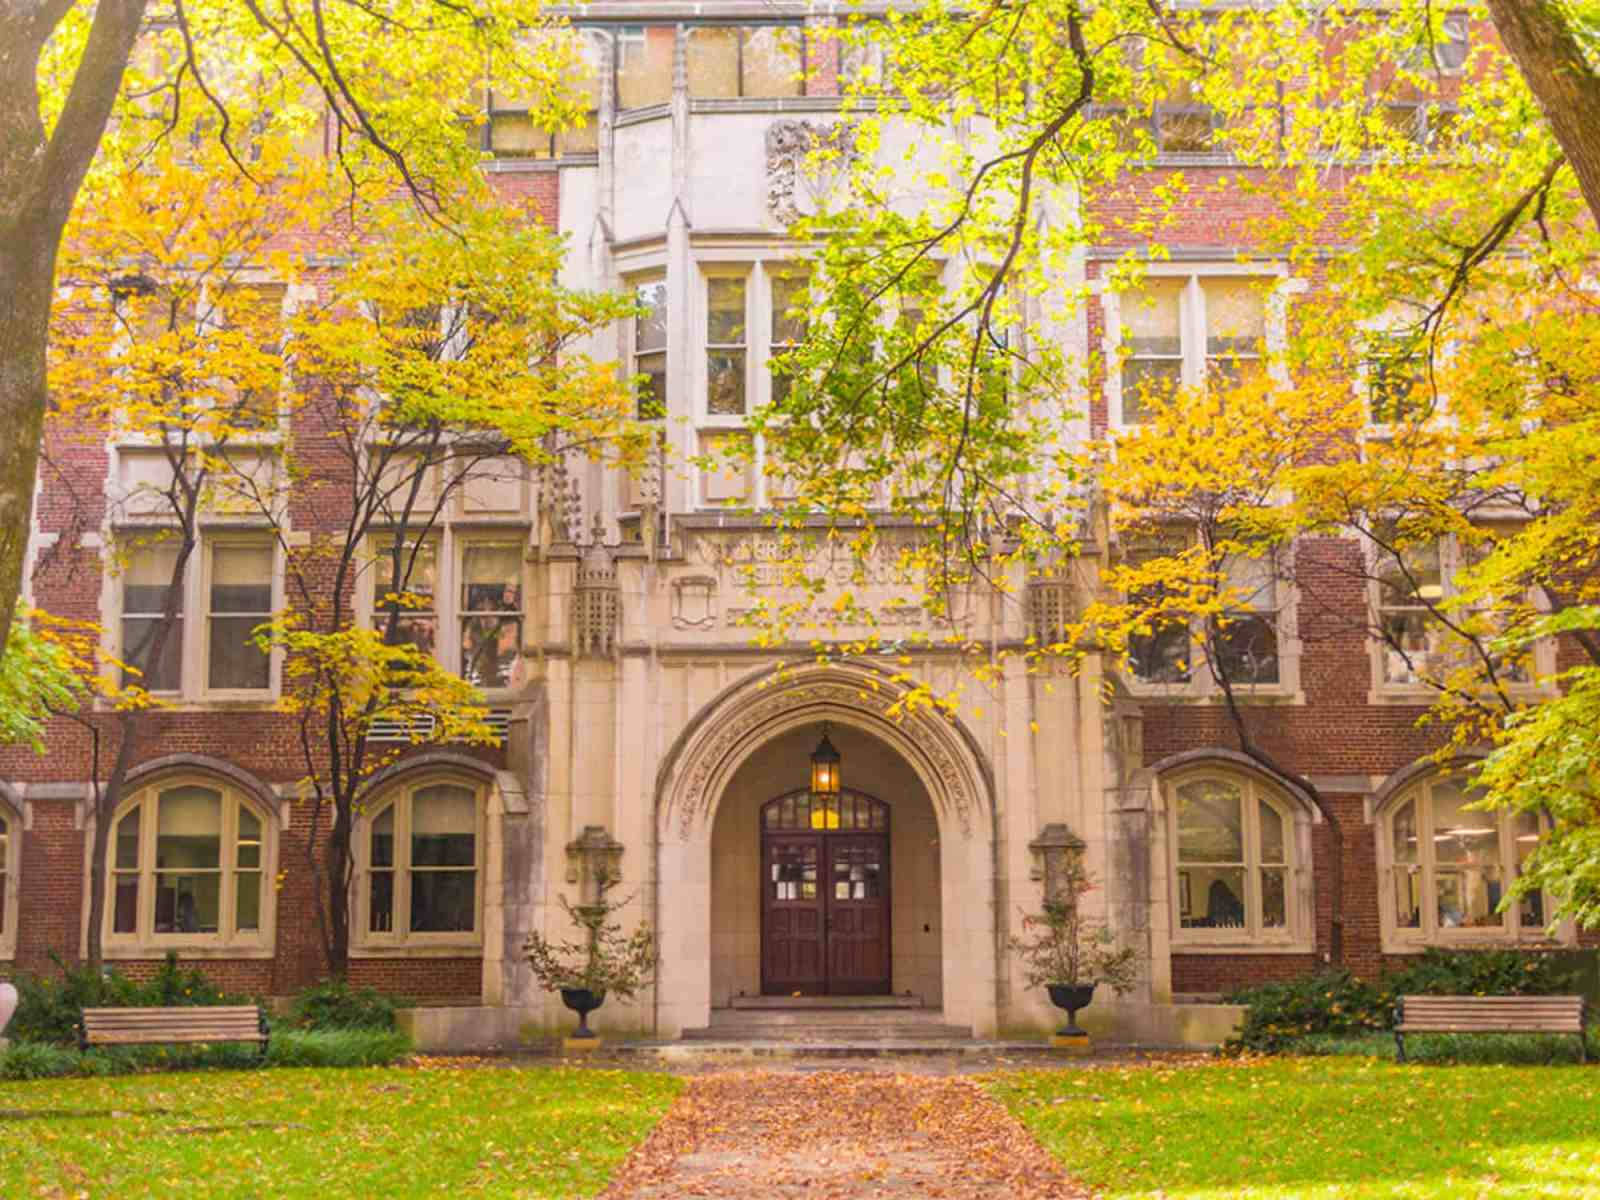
(828, 1031)
(824, 1003)
(777, 1018)
(692, 1051)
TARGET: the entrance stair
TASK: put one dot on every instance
(831, 1021)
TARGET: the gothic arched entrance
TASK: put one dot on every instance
(825, 921)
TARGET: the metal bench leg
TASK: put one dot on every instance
(1399, 1046)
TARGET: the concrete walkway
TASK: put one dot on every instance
(832, 1134)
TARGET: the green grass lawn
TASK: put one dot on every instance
(1347, 1127)
(514, 1132)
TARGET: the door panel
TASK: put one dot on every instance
(792, 915)
(858, 915)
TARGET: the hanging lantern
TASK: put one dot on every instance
(824, 767)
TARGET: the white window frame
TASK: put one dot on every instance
(1192, 323)
(1202, 688)
(227, 942)
(1298, 934)
(364, 942)
(194, 649)
(451, 542)
(10, 878)
(1397, 939)
(759, 270)
(1382, 690)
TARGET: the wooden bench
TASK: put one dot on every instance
(161, 1026)
(1489, 1014)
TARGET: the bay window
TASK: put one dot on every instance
(1449, 867)
(188, 866)
(1237, 862)
(422, 863)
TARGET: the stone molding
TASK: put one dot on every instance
(691, 778)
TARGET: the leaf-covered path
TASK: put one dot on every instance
(833, 1134)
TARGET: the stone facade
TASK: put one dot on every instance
(647, 712)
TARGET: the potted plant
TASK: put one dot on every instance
(1069, 955)
(602, 961)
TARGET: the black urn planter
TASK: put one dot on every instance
(583, 1002)
(1072, 997)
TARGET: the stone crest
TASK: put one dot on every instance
(796, 176)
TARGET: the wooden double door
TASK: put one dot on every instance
(825, 909)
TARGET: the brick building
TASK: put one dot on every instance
(642, 722)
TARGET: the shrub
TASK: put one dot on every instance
(1336, 1003)
(48, 1010)
(1483, 973)
(334, 1004)
(1332, 1002)
(291, 1048)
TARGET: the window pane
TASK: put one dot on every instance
(1461, 835)
(1247, 648)
(1216, 897)
(127, 840)
(249, 848)
(1150, 318)
(383, 838)
(788, 309)
(189, 829)
(725, 383)
(1183, 130)
(725, 310)
(1414, 576)
(1406, 848)
(1271, 833)
(1408, 897)
(492, 578)
(491, 651)
(650, 327)
(443, 901)
(380, 906)
(125, 904)
(444, 827)
(187, 902)
(1525, 839)
(1161, 656)
(236, 661)
(644, 65)
(713, 62)
(770, 63)
(1210, 822)
(247, 908)
(1274, 899)
(1146, 380)
(241, 579)
(1236, 319)
(147, 581)
(404, 594)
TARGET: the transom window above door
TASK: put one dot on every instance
(805, 812)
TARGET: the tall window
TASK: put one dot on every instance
(1234, 861)
(1246, 637)
(1186, 331)
(239, 598)
(726, 346)
(754, 62)
(1396, 378)
(187, 867)
(423, 854)
(788, 326)
(648, 348)
(1450, 866)
(412, 605)
(644, 64)
(491, 613)
(146, 590)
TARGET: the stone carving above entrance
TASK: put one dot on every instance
(700, 767)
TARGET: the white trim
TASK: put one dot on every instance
(10, 876)
(401, 941)
(144, 942)
(1299, 934)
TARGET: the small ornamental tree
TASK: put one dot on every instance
(602, 959)
(1060, 946)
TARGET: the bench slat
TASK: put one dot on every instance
(147, 1039)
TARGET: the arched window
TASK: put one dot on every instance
(421, 854)
(189, 865)
(1449, 866)
(1239, 862)
(10, 855)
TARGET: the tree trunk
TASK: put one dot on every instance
(1540, 41)
(40, 175)
(106, 800)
